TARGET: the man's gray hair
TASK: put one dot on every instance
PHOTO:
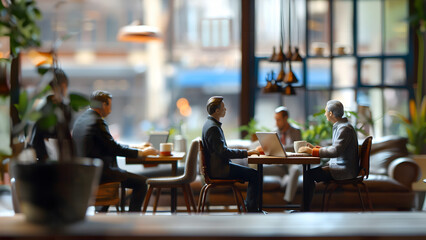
(336, 107)
(98, 97)
(283, 110)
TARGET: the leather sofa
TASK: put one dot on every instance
(392, 173)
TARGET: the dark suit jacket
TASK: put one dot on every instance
(217, 153)
(92, 139)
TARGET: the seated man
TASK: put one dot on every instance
(288, 134)
(92, 139)
(343, 153)
(41, 134)
(218, 155)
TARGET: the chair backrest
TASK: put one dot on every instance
(191, 162)
(203, 163)
(364, 157)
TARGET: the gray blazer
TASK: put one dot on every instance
(343, 153)
(292, 134)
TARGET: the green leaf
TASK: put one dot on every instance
(43, 69)
(48, 121)
(34, 116)
(23, 103)
(78, 101)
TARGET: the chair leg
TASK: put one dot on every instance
(237, 198)
(200, 198)
(147, 198)
(122, 198)
(334, 186)
(323, 197)
(370, 205)
(185, 195)
(360, 197)
(157, 197)
(242, 201)
(191, 196)
(206, 191)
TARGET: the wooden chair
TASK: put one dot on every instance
(364, 163)
(182, 181)
(212, 183)
(109, 194)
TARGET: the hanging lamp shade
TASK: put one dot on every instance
(296, 55)
(289, 54)
(274, 55)
(135, 32)
(280, 57)
(288, 90)
(290, 77)
(281, 74)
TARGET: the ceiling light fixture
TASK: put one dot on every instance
(135, 32)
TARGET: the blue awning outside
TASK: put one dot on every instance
(204, 77)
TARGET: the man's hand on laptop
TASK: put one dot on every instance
(252, 152)
(307, 149)
(147, 151)
(142, 145)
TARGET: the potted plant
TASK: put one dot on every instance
(415, 125)
(51, 191)
(251, 128)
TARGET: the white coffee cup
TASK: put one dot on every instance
(299, 144)
(166, 149)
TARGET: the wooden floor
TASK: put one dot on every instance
(377, 225)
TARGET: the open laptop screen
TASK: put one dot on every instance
(155, 138)
(271, 144)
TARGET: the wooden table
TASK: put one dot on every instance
(263, 159)
(304, 225)
(156, 159)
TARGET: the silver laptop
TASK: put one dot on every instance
(271, 144)
(155, 138)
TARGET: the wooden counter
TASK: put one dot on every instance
(377, 225)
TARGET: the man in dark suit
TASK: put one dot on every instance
(92, 139)
(218, 155)
(343, 153)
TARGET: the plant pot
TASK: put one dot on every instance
(56, 193)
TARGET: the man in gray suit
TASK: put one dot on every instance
(343, 153)
(287, 132)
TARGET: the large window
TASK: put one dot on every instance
(354, 51)
(199, 56)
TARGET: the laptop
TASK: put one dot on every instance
(155, 138)
(271, 144)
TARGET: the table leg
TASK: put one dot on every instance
(305, 205)
(173, 194)
(260, 171)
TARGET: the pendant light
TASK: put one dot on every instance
(136, 32)
(296, 55)
(290, 77)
